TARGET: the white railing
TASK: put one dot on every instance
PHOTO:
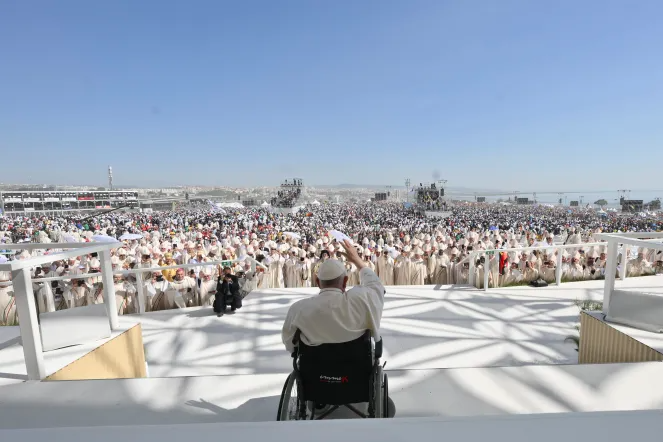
(139, 273)
(25, 299)
(22, 281)
(613, 240)
(494, 253)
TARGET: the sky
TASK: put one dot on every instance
(512, 94)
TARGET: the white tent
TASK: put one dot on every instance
(316, 203)
(265, 204)
(230, 205)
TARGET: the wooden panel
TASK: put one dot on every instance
(120, 357)
(601, 344)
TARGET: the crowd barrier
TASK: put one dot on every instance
(493, 254)
(140, 278)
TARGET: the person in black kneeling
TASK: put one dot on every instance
(227, 293)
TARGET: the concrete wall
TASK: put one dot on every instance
(119, 358)
(601, 344)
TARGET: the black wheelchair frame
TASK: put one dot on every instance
(317, 386)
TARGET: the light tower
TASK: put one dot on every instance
(110, 178)
(407, 187)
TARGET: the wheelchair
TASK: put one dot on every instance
(335, 375)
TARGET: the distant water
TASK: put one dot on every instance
(587, 197)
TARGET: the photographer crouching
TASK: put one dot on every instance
(227, 293)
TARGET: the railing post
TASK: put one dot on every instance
(109, 288)
(610, 270)
(50, 300)
(471, 277)
(28, 324)
(140, 292)
(558, 266)
(486, 269)
(622, 268)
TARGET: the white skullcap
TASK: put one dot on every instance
(144, 251)
(94, 263)
(115, 260)
(331, 269)
(302, 253)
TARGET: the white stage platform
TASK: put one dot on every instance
(612, 427)
(415, 393)
(209, 369)
(423, 327)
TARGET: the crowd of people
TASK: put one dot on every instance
(189, 253)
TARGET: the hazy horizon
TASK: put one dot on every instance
(514, 95)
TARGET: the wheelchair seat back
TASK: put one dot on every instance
(337, 374)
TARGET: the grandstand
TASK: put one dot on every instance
(18, 202)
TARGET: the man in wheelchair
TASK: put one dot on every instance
(329, 337)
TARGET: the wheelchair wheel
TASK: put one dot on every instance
(385, 396)
(292, 406)
(376, 403)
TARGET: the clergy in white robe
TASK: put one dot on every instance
(125, 296)
(441, 273)
(575, 271)
(431, 263)
(186, 290)
(548, 270)
(276, 269)
(353, 274)
(303, 270)
(155, 291)
(418, 269)
(385, 268)
(402, 268)
(207, 289)
(290, 276)
(8, 315)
